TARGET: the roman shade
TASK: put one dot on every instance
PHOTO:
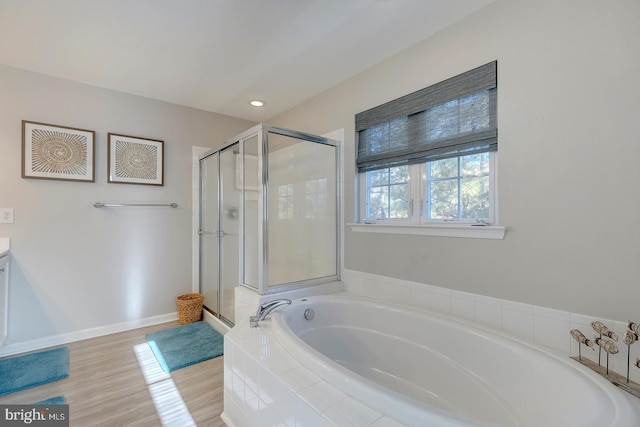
(448, 119)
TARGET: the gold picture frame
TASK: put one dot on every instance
(135, 160)
(57, 152)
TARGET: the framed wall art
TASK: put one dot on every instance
(134, 160)
(57, 152)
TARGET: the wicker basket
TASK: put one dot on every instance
(189, 308)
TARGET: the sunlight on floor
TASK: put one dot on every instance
(150, 367)
(166, 397)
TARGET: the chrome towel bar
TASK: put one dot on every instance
(117, 205)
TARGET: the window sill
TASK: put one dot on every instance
(441, 230)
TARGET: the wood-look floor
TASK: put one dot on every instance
(106, 385)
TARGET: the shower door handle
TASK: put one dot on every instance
(217, 233)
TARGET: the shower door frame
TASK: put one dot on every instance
(262, 130)
(215, 156)
(219, 233)
(263, 288)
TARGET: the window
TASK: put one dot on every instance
(431, 155)
(388, 193)
(457, 189)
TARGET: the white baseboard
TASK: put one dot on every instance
(60, 339)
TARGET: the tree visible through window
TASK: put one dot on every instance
(387, 193)
(453, 189)
(458, 188)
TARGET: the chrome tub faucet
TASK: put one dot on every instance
(265, 309)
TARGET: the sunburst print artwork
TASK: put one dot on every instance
(57, 152)
(134, 160)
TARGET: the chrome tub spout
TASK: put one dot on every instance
(265, 309)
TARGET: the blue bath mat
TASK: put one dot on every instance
(20, 372)
(58, 400)
(185, 345)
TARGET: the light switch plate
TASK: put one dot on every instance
(6, 216)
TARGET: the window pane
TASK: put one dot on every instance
(399, 202)
(378, 177)
(463, 196)
(387, 191)
(474, 198)
(474, 165)
(398, 174)
(446, 168)
(444, 199)
(378, 202)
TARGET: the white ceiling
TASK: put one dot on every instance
(216, 55)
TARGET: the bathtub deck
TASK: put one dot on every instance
(616, 379)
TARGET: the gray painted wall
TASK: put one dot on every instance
(568, 84)
(75, 267)
(567, 81)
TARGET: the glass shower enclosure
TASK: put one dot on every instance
(219, 232)
(276, 215)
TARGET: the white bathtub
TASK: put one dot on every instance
(425, 369)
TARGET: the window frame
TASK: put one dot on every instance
(417, 199)
(389, 185)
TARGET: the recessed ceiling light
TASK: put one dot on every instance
(257, 103)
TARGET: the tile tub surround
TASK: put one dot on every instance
(265, 386)
(542, 326)
(247, 301)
